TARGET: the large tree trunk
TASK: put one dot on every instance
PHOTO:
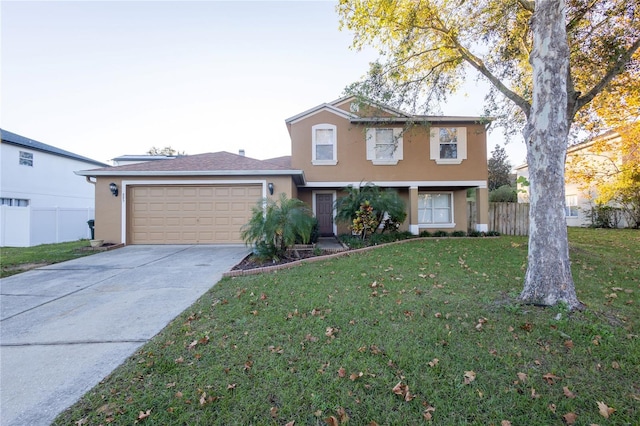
(548, 279)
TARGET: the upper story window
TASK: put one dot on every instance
(26, 159)
(384, 146)
(324, 141)
(436, 209)
(571, 206)
(15, 202)
(448, 145)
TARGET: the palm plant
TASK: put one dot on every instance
(275, 225)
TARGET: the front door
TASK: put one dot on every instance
(324, 214)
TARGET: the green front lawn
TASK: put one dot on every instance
(427, 329)
(19, 259)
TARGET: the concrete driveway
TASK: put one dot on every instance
(64, 327)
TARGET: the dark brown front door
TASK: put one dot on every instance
(324, 213)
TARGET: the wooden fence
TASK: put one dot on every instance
(506, 218)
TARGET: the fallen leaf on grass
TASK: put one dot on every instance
(427, 413)
(550, 378)
(568, 393)
(330, 332)
(604, 410)
(355, 376)
(434, 362)
(144, 414)
(403, 390)
(570, 418)
(274, 412)
(505, 423)
(469, 376)
(342, 415)
(342, 372)
(232, 386)
(82, 421)
(291, 423)
(332, 421)
(522, 377)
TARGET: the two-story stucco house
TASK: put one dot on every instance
(206, 198)
(42, 199)
(588, 155)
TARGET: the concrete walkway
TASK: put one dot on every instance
(64, 327)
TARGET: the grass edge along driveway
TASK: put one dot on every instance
(405, 334)
(20, 259)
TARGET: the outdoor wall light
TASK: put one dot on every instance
(270, 187)
(114, 189)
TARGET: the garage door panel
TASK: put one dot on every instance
(190, 214)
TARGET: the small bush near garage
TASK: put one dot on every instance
(276, 225)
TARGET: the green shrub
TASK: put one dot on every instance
(458, 234)
(492, 234)
(425, 234)
(475, 233)
(366, 208)
(440, 233)
(504, 194)
(352, 241)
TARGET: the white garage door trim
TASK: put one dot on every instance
(126, 183)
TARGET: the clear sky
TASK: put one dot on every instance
(103, 79)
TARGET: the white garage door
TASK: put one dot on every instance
(189, 214)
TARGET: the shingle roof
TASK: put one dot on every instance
(214, 161)
(15, 139)
(211, 164)
(284, 161)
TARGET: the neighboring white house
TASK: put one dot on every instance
(578, 201)
(41, 199)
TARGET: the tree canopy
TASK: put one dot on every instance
(545, 59)
(427, 49)
(167, 150)
(499, 168)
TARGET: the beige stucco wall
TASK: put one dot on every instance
(108, 210)
(416, 164)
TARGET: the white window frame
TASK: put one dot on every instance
(314, 160)
(571, 201)
(450, 224)
(398, 153)
(25, 158)
(461, 149)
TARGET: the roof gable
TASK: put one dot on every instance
(319, 108)
(21, 141)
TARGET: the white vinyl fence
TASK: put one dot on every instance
(31, 226)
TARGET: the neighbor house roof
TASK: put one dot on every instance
(21, 141)
(211, 164)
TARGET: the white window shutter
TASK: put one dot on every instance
(462, 143)
(371, 144)
(397, 135)
(434, 145)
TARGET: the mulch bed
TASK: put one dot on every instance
(253, 262)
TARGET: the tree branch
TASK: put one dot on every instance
(616, 69)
